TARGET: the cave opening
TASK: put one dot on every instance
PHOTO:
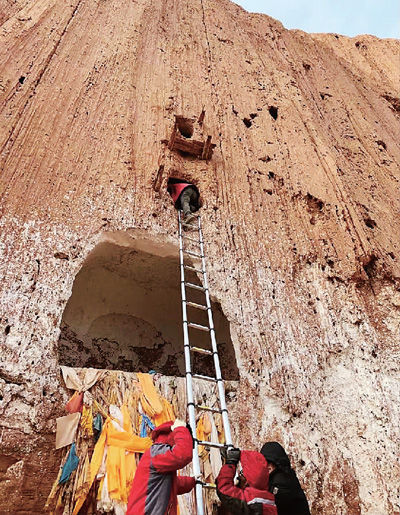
(273, 111)
(185, 126)
(125, 313)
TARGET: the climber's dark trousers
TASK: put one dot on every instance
(189, 201)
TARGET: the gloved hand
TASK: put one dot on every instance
(232, 456)
(178, 423)
(223, 454)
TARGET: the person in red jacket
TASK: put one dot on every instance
(251, 496)
(185, 195)
(156, 486)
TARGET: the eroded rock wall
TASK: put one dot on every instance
(301, 210)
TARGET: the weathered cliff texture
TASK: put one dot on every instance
(301, 220)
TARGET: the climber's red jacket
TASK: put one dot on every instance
(176, 189)
(156, 486)
(255, 498)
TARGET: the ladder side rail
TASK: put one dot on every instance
(189, 382)
(218, 374)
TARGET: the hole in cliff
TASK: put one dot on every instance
(125, 313)
(395, 102)
(185, 126)
(370, 223)
(271, 175)
(369, 265)
(314, 204)
(21, 80)
(247, 122)
(61, 255)
(381, 144)
(306, 66)
(273, 111)
(360, 45)
(7, 329)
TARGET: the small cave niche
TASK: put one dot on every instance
(314, 204)
(273, 111)
(371, 224)
(393, 101)
(369, 264)
(185, 126)
(125, 313)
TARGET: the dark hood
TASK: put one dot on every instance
(275, 453)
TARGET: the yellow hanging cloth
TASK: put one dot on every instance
(53, 490)
(118, 470)
(166, 415)
(203, 431)
(130, 459)
(127, 424)
(83, 477)
(149, 396)
(87, 421)
(220, 428)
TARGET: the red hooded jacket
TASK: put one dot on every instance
(175, 190)
(156, 486)
(254, 498)
(176, 187)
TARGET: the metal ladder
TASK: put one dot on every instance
(188, 349)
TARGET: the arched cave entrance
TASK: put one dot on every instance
(125, 312)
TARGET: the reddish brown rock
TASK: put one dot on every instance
(300, 215)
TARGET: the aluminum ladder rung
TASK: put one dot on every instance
(195, 305)
(193, 269)
(207, 408)
(195, 286)
(201, 351)
(205, 378)
(194, 254)
(211, 444)
(208, 485)
(191, 239)
(199, 327)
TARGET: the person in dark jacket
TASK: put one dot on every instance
(156, 486)
(186, 197)
(283, 483)
(251, 496)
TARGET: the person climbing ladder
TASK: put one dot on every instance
(186, 197)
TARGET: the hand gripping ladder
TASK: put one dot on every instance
(189, 348)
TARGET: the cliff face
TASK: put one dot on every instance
(301, 209)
